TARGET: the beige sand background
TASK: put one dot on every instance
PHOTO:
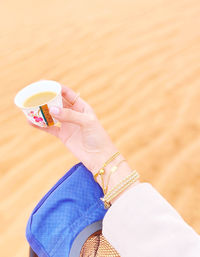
(136, 62)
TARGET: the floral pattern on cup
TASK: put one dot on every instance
(37, 118)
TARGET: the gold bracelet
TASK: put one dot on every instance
(125, 183)
(112, 170)
(101, 171)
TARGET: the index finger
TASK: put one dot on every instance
(70, 95)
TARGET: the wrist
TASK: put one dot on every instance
(123, 170)
(100, 158)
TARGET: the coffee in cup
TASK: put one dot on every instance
(35, 100)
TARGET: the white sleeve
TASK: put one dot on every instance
(141, 223)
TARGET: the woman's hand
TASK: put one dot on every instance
(84, 136)
(81, 131)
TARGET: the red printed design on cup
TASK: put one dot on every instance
(36, 117)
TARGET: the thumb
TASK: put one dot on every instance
(69, 115)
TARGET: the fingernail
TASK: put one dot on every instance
(54, 110)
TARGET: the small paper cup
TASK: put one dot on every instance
(39, 115)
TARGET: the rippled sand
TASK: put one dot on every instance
(136, 62)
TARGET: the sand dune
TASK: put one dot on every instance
(137, 64)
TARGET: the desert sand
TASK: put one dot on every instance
(136, 62)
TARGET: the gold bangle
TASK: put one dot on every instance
(125, 183)
(101, 171)
(112, 170)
